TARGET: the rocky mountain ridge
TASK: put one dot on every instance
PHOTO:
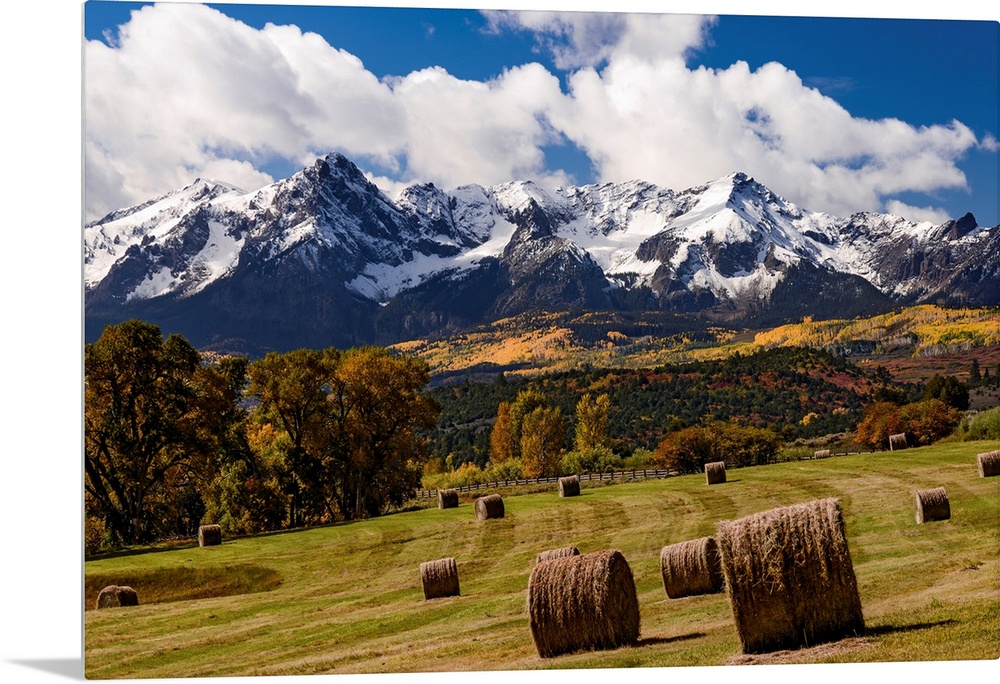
(325, 258)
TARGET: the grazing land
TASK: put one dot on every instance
(347, 598)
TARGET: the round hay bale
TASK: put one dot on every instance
(583, 602)
(822, 453)
(932, 504)
(114, 596)
(897, 442)
(209, 535)
(692, 568)
(490, 506)
(439, 578)
(789, 577)
(552, 554)
(569, 486)
(715, 473)
(447, 498)
(989, 464)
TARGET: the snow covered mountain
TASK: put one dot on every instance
(323, 257)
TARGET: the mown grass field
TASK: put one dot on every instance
(347, 598)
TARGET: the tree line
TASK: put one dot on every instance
(304, 437)
(797, 392)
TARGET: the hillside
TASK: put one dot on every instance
(929, 592)
(800, 391)
(541, 342)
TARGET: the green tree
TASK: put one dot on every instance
(153, 418)
(975, 375)
(949, 390)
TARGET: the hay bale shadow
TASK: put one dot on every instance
(658, 640)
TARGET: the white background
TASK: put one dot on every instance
(40, 392)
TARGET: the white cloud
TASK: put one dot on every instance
(917, 214)
(989, 144)
(658, 120)
(580, 39)
(190, 92)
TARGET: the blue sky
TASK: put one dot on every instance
(836, 114)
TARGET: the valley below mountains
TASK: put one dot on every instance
(324, 258)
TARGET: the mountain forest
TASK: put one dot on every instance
(175, 437)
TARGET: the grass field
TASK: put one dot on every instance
(347, 598)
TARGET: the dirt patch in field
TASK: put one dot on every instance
(813, 654)
(163, 585)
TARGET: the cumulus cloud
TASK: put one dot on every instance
(647, 115)
(579, 39)
(186, 91)
(916, 214)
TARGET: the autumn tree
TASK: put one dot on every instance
(592, 417)
(292, 389)
(543, 436)
(686, 450)
(376, 411)
(352, 425)
(928, 421)
(530, 430)
(505, 438)
(881, 420)
(689, 449)
(154, 417)
(503, 446)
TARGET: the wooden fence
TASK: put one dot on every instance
(618, 475)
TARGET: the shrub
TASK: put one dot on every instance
(983, 425)
(464, 475)
(594, 460)
(508, 470)
(640, 458)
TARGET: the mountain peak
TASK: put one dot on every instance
(329, 239)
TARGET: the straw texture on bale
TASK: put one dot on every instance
(490, 506)
(822, 453)
(989, 464)
(691, 568)
(897, 442)
(209, 535)
(569, 486)
(715, 473)
(932, 504)
(439, 578)
(447, 498)
(789, 577)
(583, 602)
(115, 597)
(552, 554)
